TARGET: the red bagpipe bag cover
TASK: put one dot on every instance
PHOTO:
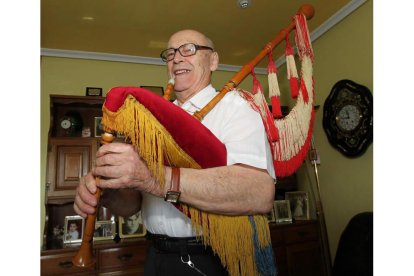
(164, 134)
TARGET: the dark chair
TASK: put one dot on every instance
(354, 256)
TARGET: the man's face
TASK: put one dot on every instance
(191, 73)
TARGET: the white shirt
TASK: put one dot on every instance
(240, 129)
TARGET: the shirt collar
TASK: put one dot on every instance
(200, 99)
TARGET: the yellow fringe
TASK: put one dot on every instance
(230, 237)
(151, 140)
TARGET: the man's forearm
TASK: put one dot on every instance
(231, 190)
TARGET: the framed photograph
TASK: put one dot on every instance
(98, 126)
(159, 90)
(282, 211)
(73, 230)
(299, 204)
(93, 91)
(104, 230)
(131, 226)
(271, 216)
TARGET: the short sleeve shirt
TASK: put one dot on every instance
(240, 129)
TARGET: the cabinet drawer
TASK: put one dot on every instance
(300, 234)
(62, 264)
(122, 257)
(276, 235)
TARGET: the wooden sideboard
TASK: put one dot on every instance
(122, 257)
(296, 247)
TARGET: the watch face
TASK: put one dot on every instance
(349, 117)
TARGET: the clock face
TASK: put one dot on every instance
(348, 117)
(65, 124)
(70, 124)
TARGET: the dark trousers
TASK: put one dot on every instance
(170, 257)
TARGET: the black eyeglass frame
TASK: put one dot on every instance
(196, 46)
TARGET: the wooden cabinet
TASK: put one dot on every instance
(124, 257)
(71, 156)
(68, 160)
(297, 249)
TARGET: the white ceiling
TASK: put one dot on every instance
(142, 28)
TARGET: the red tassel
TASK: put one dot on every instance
(272, 132)
(294, 88)
(263, 108)
(276, 108)
(291, 69)
(304, 91)
(256, 84)
(302, 37)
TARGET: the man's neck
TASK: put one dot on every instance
(184, 96)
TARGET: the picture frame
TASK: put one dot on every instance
(93, 91)
(98, 129)
(133, 226)
(282, 211)
(159, 90)
(73, 229)
(271, 216)
(104, 230)
(299, 204)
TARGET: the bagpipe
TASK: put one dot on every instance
(159, 129)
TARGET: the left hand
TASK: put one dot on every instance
(120, 166)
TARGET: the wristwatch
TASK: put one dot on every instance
(173, 194)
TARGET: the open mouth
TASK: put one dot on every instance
(181, 72)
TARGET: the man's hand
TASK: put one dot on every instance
(122, 175)
(85, 201)
(120, 166)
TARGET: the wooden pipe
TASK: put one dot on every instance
(306, 10)
(85, 256)
(169, 89)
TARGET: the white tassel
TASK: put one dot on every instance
(274, 90)
(291, 67)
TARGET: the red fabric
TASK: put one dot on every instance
(190, 134)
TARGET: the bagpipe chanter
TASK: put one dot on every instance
(145, 119)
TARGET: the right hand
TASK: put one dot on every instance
(85, 200)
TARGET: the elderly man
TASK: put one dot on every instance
(244, 187)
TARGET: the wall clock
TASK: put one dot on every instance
(70, 123)
(348, 117)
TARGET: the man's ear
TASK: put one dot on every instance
(214, 61)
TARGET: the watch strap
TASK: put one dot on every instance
(173, 194)
(175, 180)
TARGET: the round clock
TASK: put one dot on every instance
(348, 117)
(70, 123)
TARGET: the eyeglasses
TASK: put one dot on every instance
(185, 50)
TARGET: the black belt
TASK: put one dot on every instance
(182, 246)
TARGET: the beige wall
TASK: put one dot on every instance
(343, 52)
